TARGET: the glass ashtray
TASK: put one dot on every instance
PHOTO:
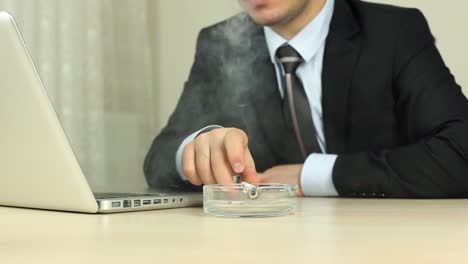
(250, 200)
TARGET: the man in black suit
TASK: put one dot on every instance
(342, 97)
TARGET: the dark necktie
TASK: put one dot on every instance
(296, 105)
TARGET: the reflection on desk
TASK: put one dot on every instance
(322, 231)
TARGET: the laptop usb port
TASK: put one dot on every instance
(116, 204)
(146, 202)
(165, 200)
(157, 201)
(127, 203)
(136, 202)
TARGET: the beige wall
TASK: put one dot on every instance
(179, 22)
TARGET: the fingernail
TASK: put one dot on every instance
(238, 168)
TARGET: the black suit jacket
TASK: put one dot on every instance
(392, 110)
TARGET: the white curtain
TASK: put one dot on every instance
(96, 60)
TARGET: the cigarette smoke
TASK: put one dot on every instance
(236, 53)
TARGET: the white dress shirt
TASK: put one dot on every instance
(316, 175)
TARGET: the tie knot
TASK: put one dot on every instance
(289, 58)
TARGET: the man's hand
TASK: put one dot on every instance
(216, 156)
(288, 174)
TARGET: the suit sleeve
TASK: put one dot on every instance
(191, 114)
(433, 113)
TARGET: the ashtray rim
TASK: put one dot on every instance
(261, 186)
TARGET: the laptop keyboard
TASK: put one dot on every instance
(122, 195)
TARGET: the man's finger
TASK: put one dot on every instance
(188, 165)
(220, 165)
(250, 172)
(202, 160)
(235, 143)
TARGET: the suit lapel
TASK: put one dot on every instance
(340, 59)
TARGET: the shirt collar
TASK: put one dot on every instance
(309, 40)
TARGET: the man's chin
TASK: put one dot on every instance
(265, 21)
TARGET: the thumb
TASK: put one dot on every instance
(235, 144)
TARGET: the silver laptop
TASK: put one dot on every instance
(38, 168)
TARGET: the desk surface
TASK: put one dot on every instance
(322, 231)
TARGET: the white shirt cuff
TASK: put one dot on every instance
(180, 150)
(316, 176)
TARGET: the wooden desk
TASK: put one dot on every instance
(323, 231)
